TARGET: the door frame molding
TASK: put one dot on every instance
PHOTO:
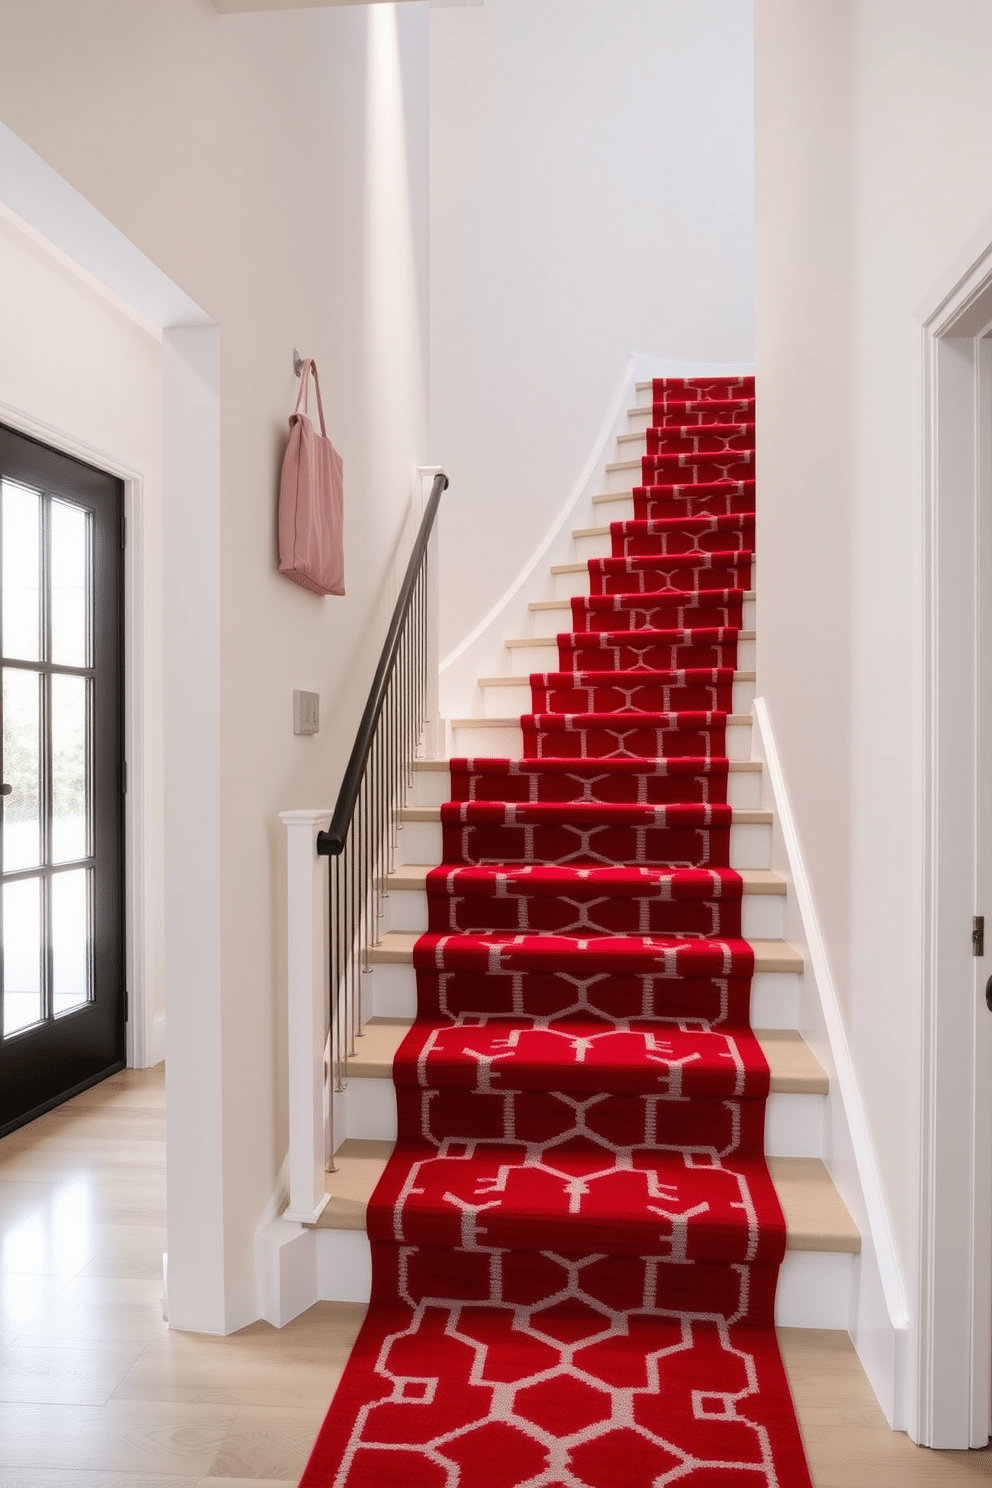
(953, 1344)
(145, 1042)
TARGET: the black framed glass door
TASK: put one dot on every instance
(62, 999)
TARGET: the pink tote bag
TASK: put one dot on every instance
(311, 500)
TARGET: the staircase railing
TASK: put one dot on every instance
(360, 842)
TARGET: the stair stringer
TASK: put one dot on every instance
(482, 652)
(879, 1323)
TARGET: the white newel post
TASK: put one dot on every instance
(307, 965)
(436, 732)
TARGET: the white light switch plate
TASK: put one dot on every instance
(306, 712)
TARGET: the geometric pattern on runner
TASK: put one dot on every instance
(648, 782)
(679, 835)
(668, 690)
(602, 736)
(694, 439)
(704, 534)
(660, 611)
(668, 498)
(576, 1242)
(648, 650)
(680, 572)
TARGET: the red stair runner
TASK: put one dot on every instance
(576, 1241)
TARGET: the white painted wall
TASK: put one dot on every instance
(78, 370)
(873, 167)
(591, 197)
(274, 167)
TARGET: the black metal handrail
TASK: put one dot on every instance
(363, 837)
(331, 842)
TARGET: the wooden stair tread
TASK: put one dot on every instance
(816, 1217)
(396, 949)
(815, 1214)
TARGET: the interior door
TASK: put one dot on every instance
(62, 989)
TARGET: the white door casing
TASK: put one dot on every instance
(953, 1342)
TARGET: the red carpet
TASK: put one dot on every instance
(576, 1242)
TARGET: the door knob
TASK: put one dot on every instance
(5, 790)
(988, 994)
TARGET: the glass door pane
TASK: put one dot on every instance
(21, 847)
(69, 719)
(21, 538)
(22, 959)
(71, 939)
(70, 566)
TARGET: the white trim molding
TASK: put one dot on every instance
(879, 1320)
(952, 1347)
(308, 1002)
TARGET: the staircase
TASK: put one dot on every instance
(818, 1280)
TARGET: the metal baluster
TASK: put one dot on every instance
(363, 838)
(382, 887)
(339, 976)
(368, 874)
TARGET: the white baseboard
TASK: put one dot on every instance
(879, 1324)
(155, 1051)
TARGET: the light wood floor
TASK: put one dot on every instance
(96, 1392)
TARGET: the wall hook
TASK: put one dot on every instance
(297, 362)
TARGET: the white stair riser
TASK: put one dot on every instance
(639, 417)
(775, 999)
(344, 1265)
(619, 508)
(508, 743)
(584, 548)
(744, 789)
(816, 1289)
(750, 844)
(506, 701)
(503, 743)
(793, 1123)
(390, 991)
(623, 480)
(522, 660)
(430, 788)
(632, 448)
(567, 584)
(761, 917)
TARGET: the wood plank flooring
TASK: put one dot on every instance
(96, 1392)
